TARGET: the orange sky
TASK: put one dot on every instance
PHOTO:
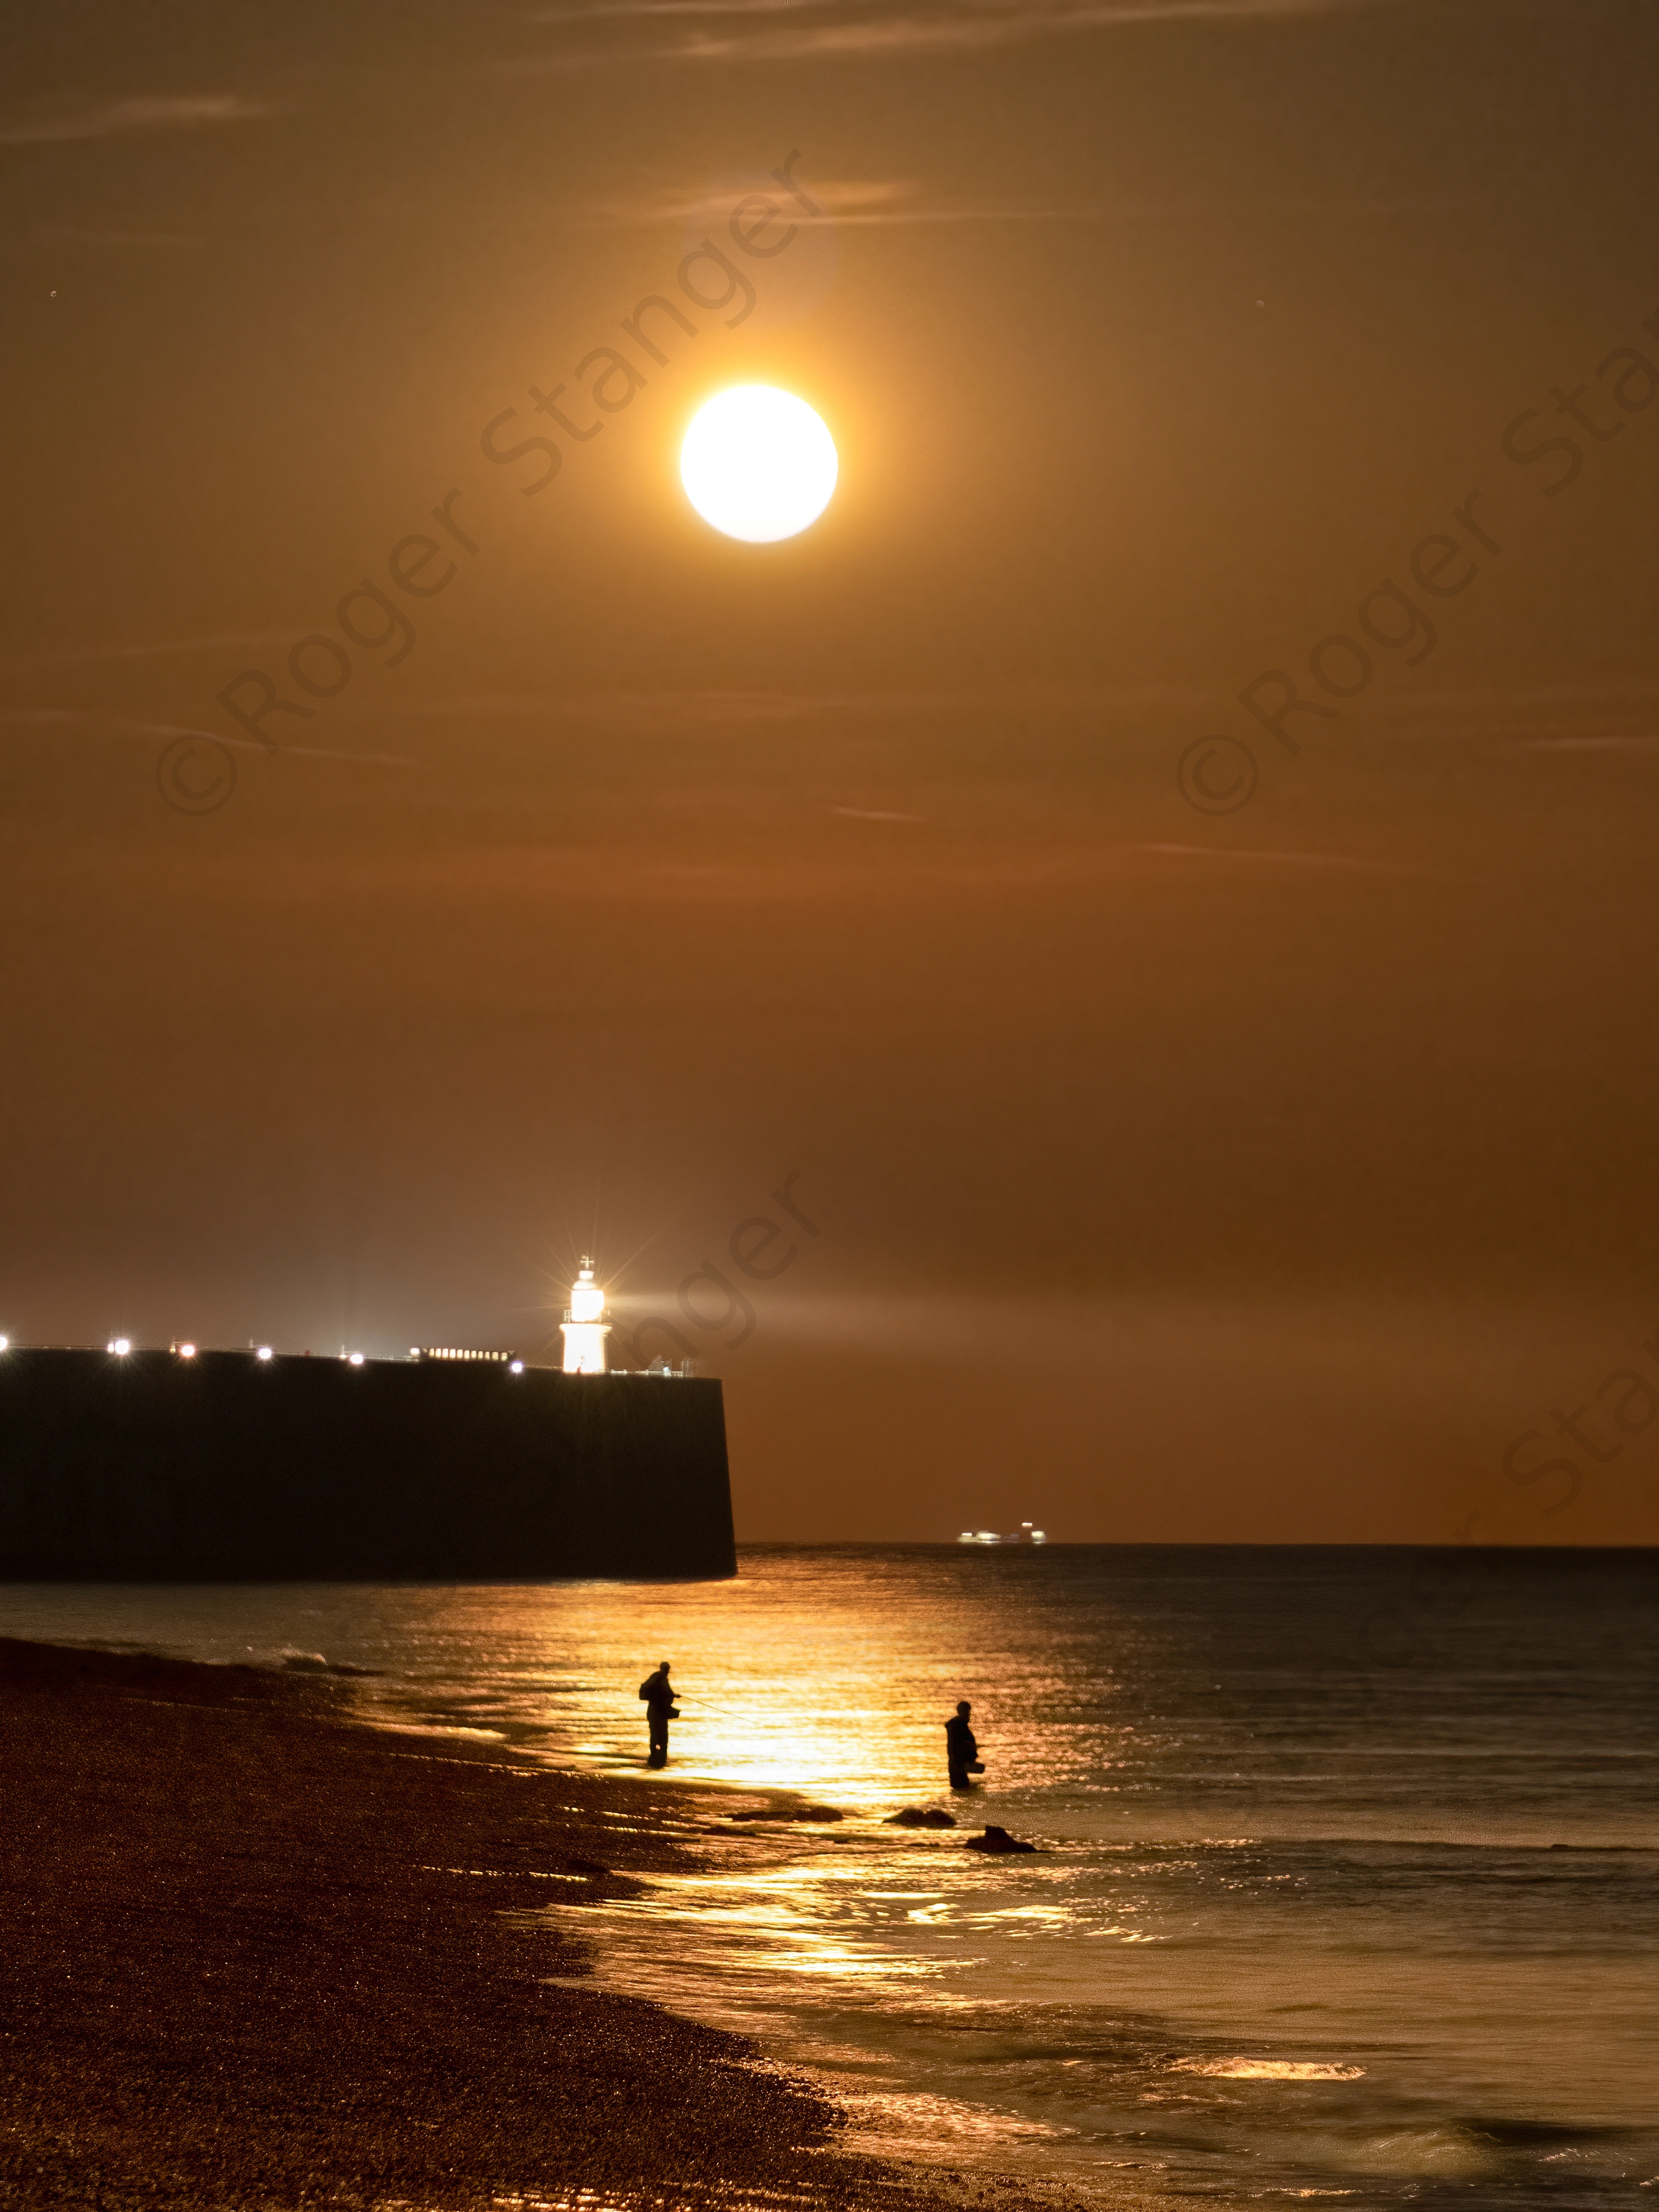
(1252, 1174)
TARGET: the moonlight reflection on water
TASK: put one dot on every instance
(1340, 1911)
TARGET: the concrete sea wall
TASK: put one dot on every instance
(228, 1469)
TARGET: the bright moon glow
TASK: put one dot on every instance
(758, 464)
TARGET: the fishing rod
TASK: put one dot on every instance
(680, 1698)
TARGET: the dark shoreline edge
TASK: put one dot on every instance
(257, 1950)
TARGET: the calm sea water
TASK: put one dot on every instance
(1346, 1879)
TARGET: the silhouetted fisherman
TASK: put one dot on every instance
(660, 1710)
(961, 1749)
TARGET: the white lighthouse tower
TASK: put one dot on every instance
(583, 1328)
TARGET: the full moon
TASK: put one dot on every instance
(758, 464)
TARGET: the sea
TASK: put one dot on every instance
(1344, 1876)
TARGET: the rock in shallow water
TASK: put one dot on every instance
(997, 1839)
(918, 1816)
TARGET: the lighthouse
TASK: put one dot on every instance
(583, 1329)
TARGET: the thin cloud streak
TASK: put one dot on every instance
(141, 240)
(123, 726)
(943, 30)
(891, 203)
(840, 201)
(159, 650)
(1301, 860)
(1627, 744)
(605, 11)
(1018, 696)
(173, 111)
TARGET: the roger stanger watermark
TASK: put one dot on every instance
(374, 618)
(1623, 1406)
(1217, 774)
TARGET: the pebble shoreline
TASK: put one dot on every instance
(257, 1954)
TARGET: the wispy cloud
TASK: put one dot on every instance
(60, 233)
(850, 200)
(1293, 860)
(796, 30)
(1616, 744)
(842, 202)
(675, 708)
(97, 722)
(661, 710)
(113, 119)
(159, 648)
(605, 11)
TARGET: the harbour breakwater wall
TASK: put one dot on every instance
(226, 1468)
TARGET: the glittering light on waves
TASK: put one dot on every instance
(1267, 2069)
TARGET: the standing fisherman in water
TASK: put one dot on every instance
(660, 1708)
(961, 1749)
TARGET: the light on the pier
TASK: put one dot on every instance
(120, 1346)
(5, 1344)
(513, 1366)
(187, 1351)
(263, 1352)
(354, 1359)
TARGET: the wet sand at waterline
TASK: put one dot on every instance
(255, 1953)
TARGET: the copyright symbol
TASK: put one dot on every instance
(196, 776)
(1216, 775)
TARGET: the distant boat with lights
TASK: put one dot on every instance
(1025, 1533)
(457, 1463)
